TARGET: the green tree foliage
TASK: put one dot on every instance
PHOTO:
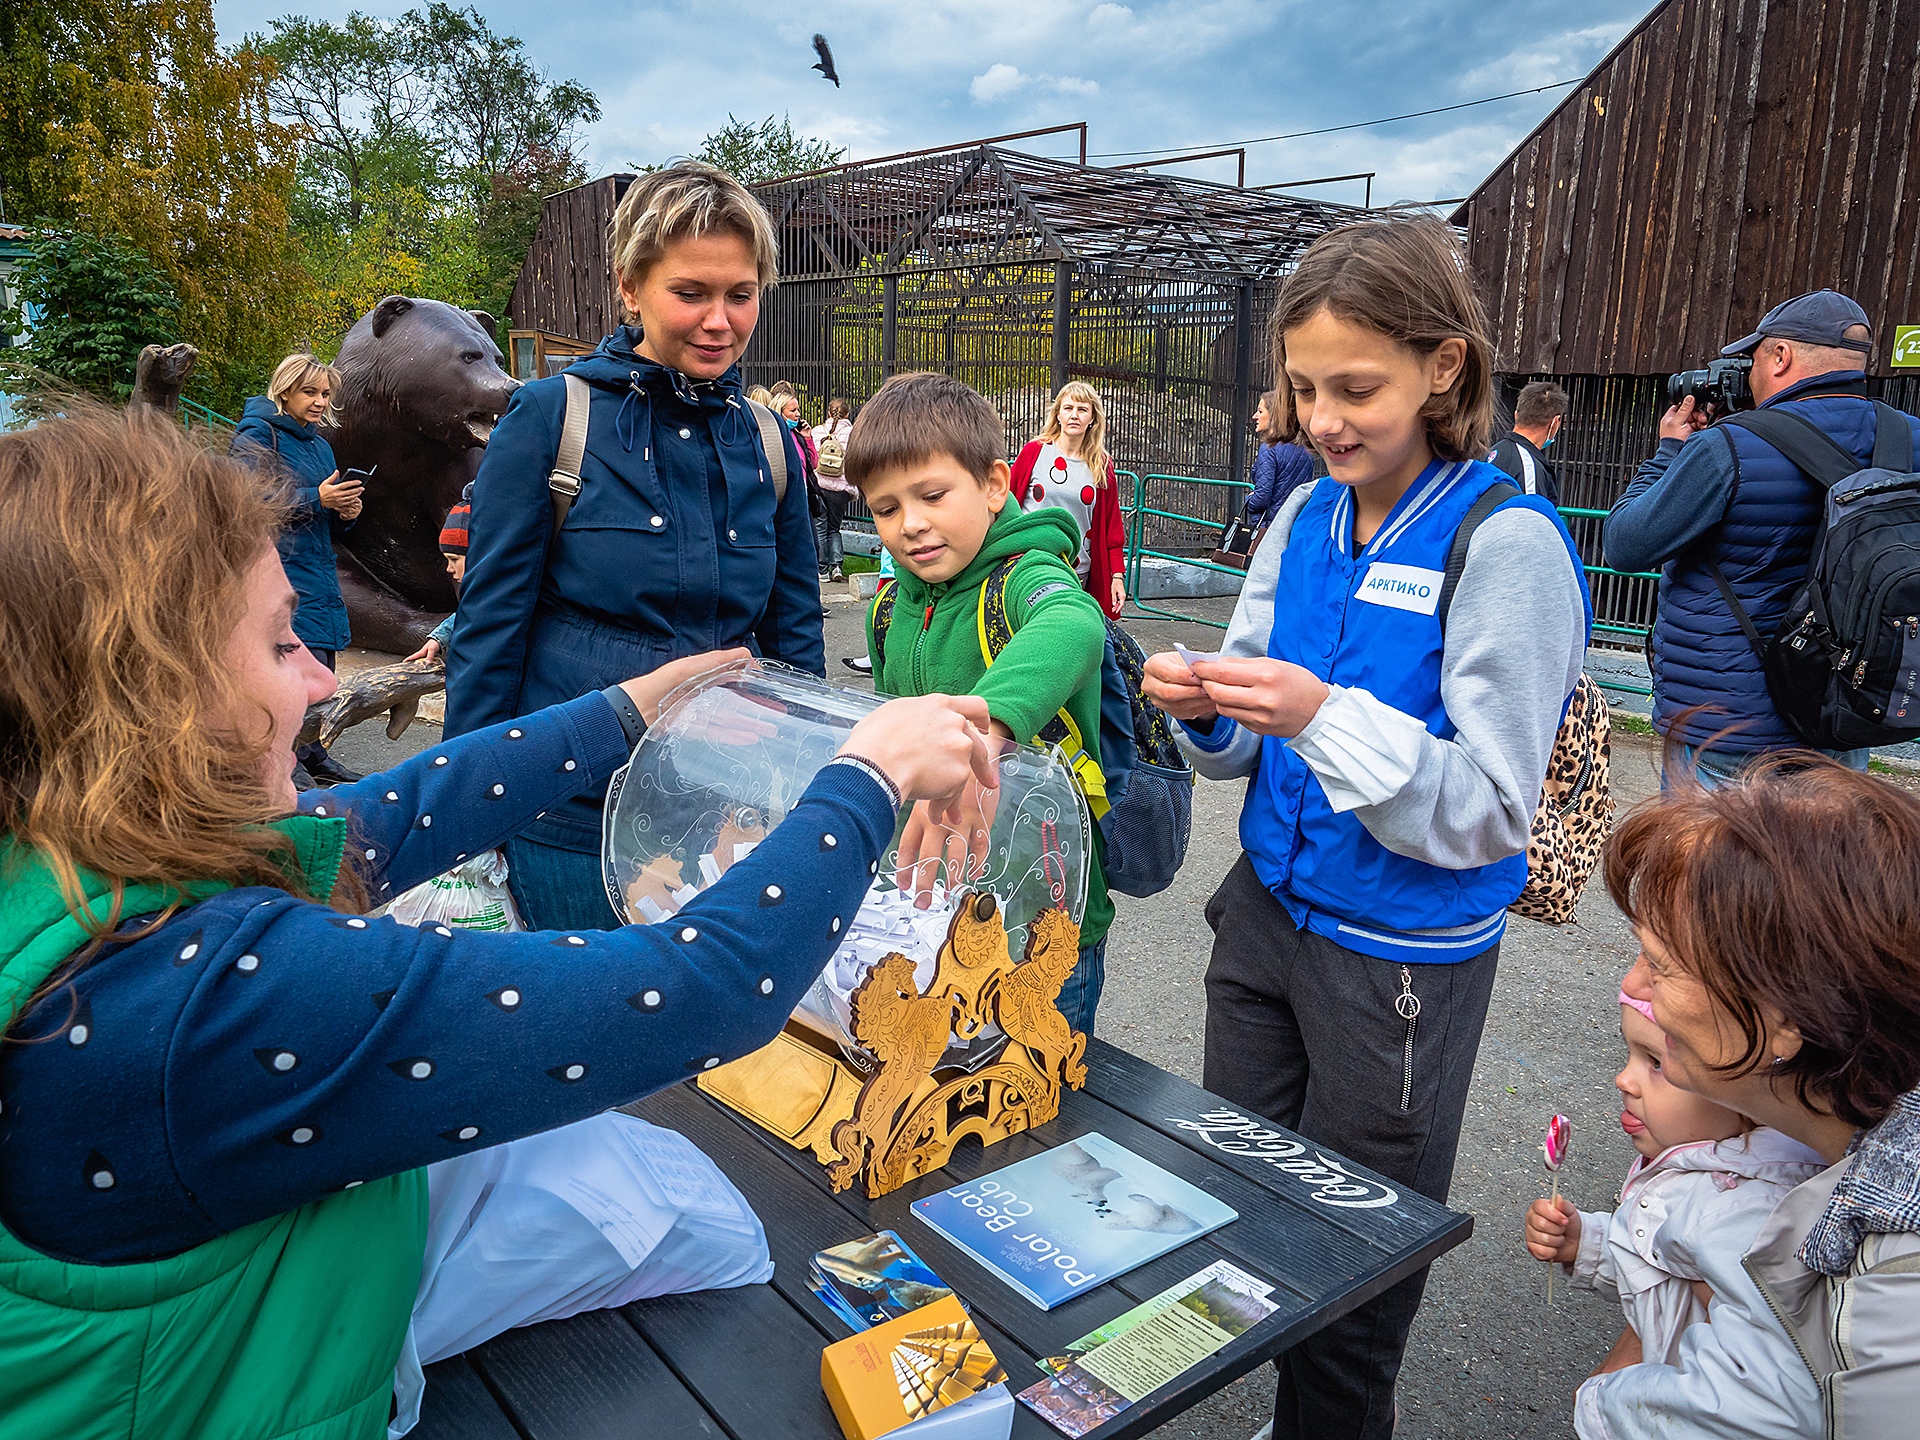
(359, 92)
(154, 132)
(431, 143)
(98, 302)
(769, 149)
(57, 57)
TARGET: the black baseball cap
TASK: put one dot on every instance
(1821, 318)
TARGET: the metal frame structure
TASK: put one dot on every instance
(1018, 273)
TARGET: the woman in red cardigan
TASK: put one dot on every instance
(1067, 465)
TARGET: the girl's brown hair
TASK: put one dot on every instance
(125, 549)
(1795, 891)
(1407, 279)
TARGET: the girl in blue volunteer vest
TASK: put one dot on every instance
(1396, 751)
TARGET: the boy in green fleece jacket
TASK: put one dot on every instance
(927, 454)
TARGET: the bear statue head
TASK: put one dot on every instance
(427, 367)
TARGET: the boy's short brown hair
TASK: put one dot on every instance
(915, 417)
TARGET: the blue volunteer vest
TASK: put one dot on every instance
(1369, 623)
(1701, 655)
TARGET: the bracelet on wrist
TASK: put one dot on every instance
(867, 767)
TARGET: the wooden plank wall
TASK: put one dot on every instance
(1729, 155)
(566, 284)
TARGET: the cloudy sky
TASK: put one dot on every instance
(1146, 75)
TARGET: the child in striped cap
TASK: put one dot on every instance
(1705, 1179)
(453, 548)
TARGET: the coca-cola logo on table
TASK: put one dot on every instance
(1327, 1180)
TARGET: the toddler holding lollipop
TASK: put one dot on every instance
(1692, 1203)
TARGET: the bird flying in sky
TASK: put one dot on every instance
(825, 63)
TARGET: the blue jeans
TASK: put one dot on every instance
(1715, 768)
(557, 889)
(1081, 994)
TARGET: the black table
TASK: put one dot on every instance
(745, 1363)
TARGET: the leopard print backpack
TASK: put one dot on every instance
(1575, 814)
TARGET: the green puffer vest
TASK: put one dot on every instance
(288, 1328)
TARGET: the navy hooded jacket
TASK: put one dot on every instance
(273, 442)
(673, 547)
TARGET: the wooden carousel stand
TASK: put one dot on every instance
(902, 1116)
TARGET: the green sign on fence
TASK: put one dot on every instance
(1906, 347)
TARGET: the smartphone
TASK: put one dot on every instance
(361, 475)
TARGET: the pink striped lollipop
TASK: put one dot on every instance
(1558, 1142)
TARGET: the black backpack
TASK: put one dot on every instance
(1146, 782)
(1844, 669)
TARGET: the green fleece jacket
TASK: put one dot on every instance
(1052, 662)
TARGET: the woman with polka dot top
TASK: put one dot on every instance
(221, 1078)
(1067, 465)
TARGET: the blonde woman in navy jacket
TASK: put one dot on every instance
(675, 545)
(1396, 761)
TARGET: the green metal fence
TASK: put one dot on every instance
(193, 413)
(1138, 515)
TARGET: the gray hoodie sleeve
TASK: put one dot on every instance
(1515, 644)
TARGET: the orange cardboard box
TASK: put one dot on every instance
(907, 1370)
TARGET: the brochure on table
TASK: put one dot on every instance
(1132, 1355)
(872, 1280)
(1058, 1224)
(927, 1375)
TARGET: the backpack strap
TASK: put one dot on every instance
(995, 631)
(1814, 452)
(1892, 439)
(563, 481)
(770, 441)
(1494, 497)
(881, 619)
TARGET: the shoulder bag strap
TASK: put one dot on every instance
(1492, 500)
(776, 449)
(563, 481)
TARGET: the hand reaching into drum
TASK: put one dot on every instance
(932, 747)
(949, 838)
(647, 691)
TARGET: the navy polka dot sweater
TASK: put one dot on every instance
(259, 1052)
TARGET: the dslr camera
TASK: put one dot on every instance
(1721, 387)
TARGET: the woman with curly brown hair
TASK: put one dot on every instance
(221, 1082)
(1779, 927)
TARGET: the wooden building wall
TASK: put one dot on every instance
(1728, 155)
(566, 285)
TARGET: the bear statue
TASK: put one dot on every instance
(421, 385)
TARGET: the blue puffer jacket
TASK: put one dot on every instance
(672, 548)
(270, 441)
(1762, 545)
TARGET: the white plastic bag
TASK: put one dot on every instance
(471, 896)
(592, 1215)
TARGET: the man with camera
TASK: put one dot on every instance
(1718, 509)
